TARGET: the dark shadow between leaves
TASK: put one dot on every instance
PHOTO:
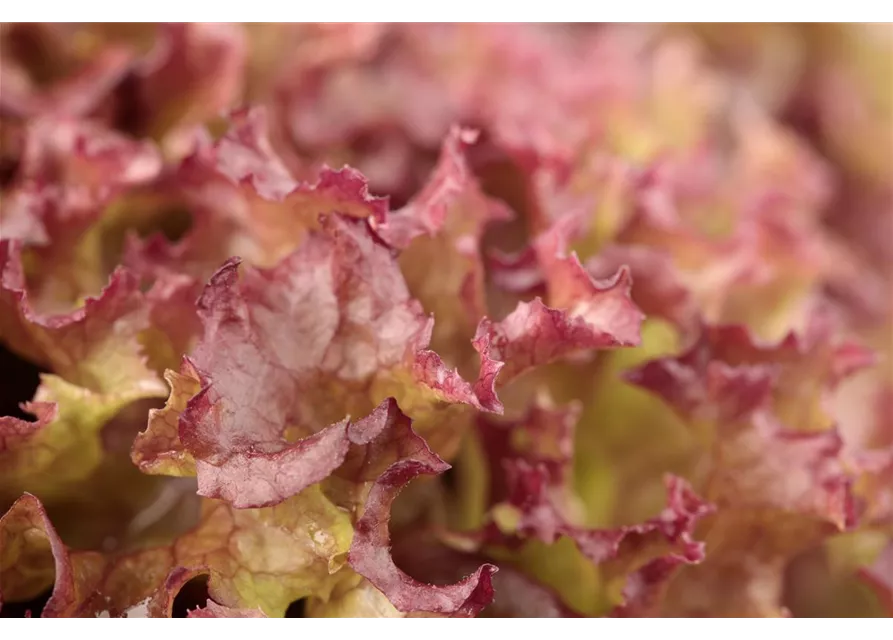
(193, 595)
(296, 609)
(19, 380)
(29, 609)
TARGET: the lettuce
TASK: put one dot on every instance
(454, 321)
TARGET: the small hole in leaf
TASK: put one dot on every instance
(296, 609)
(20, 381)
(193, 595)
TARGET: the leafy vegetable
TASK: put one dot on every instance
(455, 320)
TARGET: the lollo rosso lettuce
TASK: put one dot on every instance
(445, 321)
